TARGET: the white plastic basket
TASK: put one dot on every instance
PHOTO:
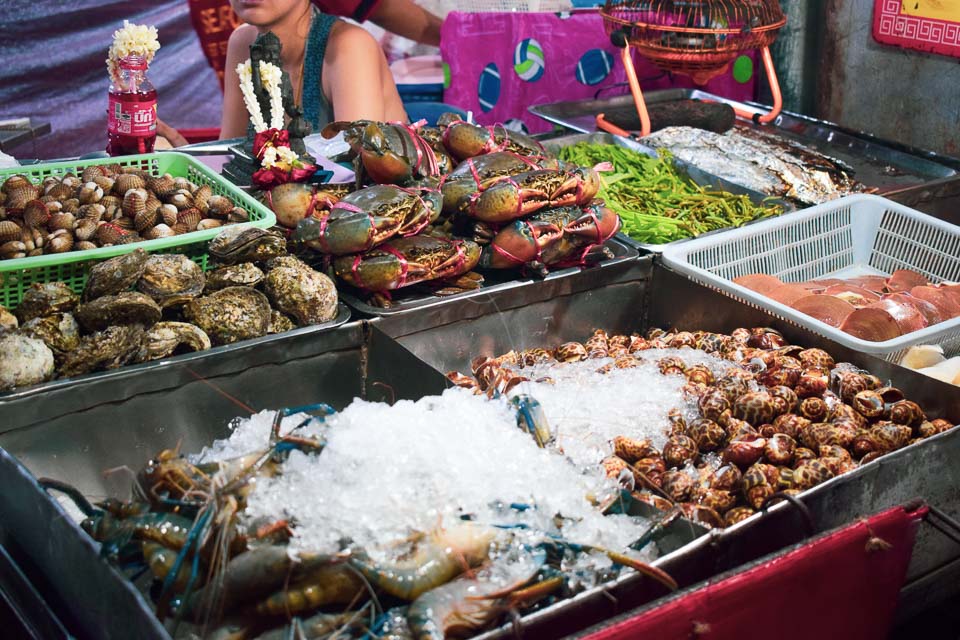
(852, 236)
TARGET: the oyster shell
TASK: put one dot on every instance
(44, 299)
(307, 295)
(168, 338)
(245, 274)
(8, 321)
(247, 244)
(171, 278)
(115, 275)
(280, 323)
(230, 315)
(286, 261)
(129, 307)
(108, 349)
(59, 331)
(23, 361)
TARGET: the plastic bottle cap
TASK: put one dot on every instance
(133, 63)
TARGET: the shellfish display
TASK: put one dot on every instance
(107, 205)
(511, 525)
(726, 423)
(140, 307)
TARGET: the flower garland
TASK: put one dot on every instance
(131, 39)
(271, 145)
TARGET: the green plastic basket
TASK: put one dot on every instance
(72, 267)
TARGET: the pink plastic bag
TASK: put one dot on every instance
(501, 63)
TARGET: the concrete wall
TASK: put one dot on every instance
(898, 94)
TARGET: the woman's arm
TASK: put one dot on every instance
(233, 124)
(408, 19)
(356, 78)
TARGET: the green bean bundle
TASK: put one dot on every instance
(656, 202)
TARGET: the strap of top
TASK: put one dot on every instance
(315, 105)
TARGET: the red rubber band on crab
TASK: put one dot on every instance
(404, 265)
(423, 203)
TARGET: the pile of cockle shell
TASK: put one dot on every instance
(779, 420)
(106, 205)
(139, 307)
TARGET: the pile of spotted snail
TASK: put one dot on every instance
(106, 205)
(781, 419)
(139, 307)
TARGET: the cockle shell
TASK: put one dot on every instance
(146, 219)
(90, 192)
(59, 191)
(18, 197)
(9, 230)
(160, 230)
(15, 182)
(127, 181)
(169, 214)
(62, 221)
(201, 197)
(134, 203)
(91, 172)
(219, 206)
(13, 249)
(60, 241)
(36, 214)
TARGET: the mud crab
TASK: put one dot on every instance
(465, 140)
(560, 237)
(368, 217)
(294, 201)
(511, 197)
(475, 173)
(388, 153)
(406, 261)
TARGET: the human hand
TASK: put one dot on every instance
(170, 134)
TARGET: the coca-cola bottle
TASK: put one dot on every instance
(132, 109)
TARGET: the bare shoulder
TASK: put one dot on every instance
(349, 38)
(243, 36)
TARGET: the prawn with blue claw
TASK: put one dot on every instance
(219, 572)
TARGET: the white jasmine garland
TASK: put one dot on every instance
(271, 76)
(131, 39)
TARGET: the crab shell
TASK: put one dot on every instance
(481, 171)
(558, 237)
(368, 217)
(515, 196)
(294, 201)
(406, 261)
(464, 140)
(388, 153)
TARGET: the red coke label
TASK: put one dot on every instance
(131, 118)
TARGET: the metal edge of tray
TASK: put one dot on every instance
(92, 597)
(92, 594)
(674, 301)
(49, 400)
(623, 252)
(932, 165)
(693, 172)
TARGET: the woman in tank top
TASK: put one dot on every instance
(337, 70)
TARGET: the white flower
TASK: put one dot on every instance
(270, 76)
(131, 39)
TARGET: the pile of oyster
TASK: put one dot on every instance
(139, 307)
(106, 205)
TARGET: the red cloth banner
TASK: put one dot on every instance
(842, 585)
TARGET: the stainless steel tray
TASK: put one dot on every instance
(46, 401)
(494, 280)
(651, 295)
(695, 173)
(884, 165)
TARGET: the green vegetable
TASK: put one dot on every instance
(656, 202)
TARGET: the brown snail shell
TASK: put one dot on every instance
(756, 408)
(678, 485)
(745, 451)
(814, 409)
(780, 449)
(869, 404)
(701, 514)
(650, 470)
(905, 412)
(708, 435)
(632, 450)
(678, 450)
(570, 352)
(737, 514)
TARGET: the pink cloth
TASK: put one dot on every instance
(472, 41)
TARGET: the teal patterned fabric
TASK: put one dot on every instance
(316, 108)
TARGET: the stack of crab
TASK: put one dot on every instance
(139, 307)
(444, 200)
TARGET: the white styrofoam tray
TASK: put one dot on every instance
(851, 236)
